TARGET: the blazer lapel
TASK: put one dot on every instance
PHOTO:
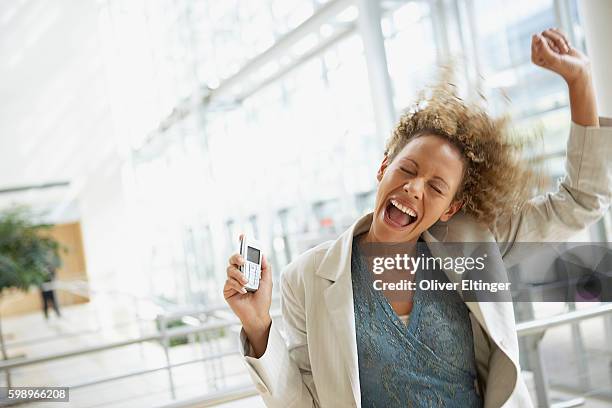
(339, 302)
(338, 296)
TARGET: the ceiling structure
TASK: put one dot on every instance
(55, 117)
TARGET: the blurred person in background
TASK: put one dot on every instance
(448, 175)
(49, 299)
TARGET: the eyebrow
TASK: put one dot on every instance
(436, 177)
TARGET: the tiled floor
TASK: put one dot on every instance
(105, 320)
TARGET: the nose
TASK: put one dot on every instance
(414, 187)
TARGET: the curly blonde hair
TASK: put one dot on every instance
(497, 179)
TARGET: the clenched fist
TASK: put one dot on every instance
(551, 50)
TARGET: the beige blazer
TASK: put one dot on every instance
(315, 362)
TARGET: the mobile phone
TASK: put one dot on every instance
(250, 250)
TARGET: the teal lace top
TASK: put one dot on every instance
(427, 363)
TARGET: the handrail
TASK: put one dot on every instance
(170, 334)
(155, 369)
(36, 340)
(540, 325)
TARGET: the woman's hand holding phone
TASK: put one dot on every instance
(252, 308)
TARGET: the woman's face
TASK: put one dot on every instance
(416, 189)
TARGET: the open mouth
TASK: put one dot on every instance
(398, 215)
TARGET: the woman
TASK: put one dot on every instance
(447, 176)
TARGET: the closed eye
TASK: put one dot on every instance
(411, 173)
(407, 171)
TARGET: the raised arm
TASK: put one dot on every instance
(552, 50)
(584, 193)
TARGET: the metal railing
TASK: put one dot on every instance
(172, 333)
(541, 325)
(533, 331)
(163, 337)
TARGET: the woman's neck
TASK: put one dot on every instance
(370, 238)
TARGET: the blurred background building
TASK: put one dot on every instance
(151, 133)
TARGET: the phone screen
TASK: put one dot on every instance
(252, 255)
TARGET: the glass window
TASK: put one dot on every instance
(411, 50)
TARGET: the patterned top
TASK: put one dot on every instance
(428, 362)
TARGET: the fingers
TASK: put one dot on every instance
(541, 52)
(237, 260)
(235, 278)
(233, 284)
(563, 36)
(559, 41)
(235, 273)
(553, 46)
(551, 43)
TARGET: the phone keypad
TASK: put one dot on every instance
(252, 272)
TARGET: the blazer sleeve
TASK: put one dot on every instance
(582, 197)
(282, 375)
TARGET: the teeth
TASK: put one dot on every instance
(403, 209)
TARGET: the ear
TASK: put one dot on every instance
(451, 210)
(382, 168)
